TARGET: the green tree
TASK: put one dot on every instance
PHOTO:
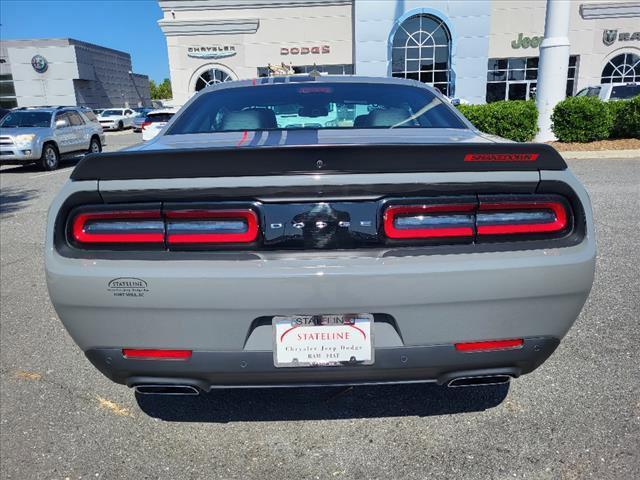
(160, 91)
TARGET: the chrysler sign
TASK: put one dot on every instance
(214, 51)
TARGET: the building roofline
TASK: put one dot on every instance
(63, 40)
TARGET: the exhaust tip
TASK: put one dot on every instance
(149, 389)
(479, 381)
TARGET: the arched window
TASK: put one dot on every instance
(622, 68)
(421, 50)
(211, 77)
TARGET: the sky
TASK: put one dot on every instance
(127, 25)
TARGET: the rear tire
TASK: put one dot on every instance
(120, 125)
(95, 146)
(50, 159)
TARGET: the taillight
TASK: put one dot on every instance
(429, 221)
(114, 227)
(144, 125)
(154, 228)
(211, 226)
(489, 345)
(517, 217)
(155, 354)
(490, 218)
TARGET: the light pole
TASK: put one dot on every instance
(553, 65)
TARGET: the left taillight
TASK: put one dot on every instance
(118, 227)
(96, 227)
(211, 226)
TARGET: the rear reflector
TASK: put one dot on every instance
(489, 345)
(429, 221)
(211, 226)
(139, 226)
(504, 218)
(156, 354)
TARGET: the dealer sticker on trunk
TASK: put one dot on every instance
(323, 340)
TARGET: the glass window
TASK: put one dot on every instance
(316, 105)
(25, 118)
(422, 50)
(625, 91)
(516, 78)
(623, 68)
(496, 91)
(212, 77)
(75, 119)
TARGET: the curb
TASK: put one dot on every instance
(601, 154)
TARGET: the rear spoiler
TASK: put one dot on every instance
(318, 159)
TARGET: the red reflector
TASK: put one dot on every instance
(121, 233)
(439, 229)
(489, 345)
(501, 157)
(156, 354)
(188, 226)
(556, 225)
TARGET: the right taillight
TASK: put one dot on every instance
(487, 218)
(518, 217)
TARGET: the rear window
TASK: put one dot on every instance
(625, 91)
(316, 105)
(90, 115)
(158, 117)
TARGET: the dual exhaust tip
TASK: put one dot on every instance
(468, 381)
(165, 389)
(479, 380)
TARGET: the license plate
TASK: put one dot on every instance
(323, 340)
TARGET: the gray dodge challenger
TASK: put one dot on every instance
(318, 230)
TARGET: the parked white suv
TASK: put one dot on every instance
(611, 91)
(117, 118)
(44, 135)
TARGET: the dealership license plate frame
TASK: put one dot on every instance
(359, 324)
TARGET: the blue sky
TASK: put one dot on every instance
(127, 25)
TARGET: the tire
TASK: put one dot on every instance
(120, 125)
(50, 159)
(95, 146)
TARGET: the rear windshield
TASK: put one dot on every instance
(625, 91)
(112, 113)
(316, 105)
(26, 119)
(158, 117)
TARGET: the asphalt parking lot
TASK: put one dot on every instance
(578, 416)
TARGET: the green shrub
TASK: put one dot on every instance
(513, 119)
(581, 119)
(626, 118)
(618, 129)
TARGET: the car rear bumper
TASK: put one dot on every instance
(432, 363)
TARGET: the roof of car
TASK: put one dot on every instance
(308, 78)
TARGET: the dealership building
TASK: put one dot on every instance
(68, 72)
(476, 50)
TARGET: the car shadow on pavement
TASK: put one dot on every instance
(13, 199)
(322, 403)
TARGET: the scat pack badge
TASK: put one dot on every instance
(128, 287)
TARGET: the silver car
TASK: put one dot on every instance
(45, 135)
(312, 230)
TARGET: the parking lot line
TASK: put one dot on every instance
(51, 173)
